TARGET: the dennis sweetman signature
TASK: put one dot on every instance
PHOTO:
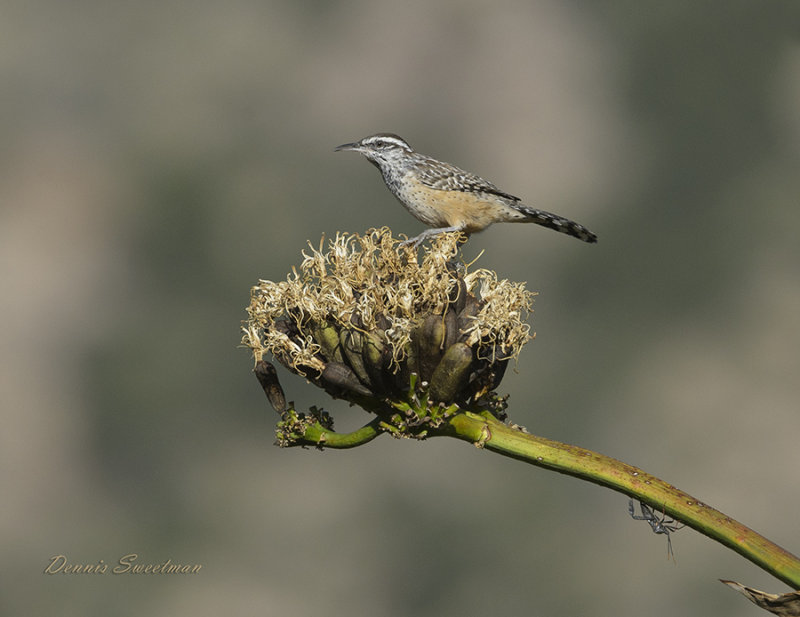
(126, 564)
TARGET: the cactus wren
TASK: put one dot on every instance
(448, 198)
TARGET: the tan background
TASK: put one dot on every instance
(159, 157)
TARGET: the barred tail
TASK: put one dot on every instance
(558, 223)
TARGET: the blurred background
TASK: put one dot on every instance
(158, 158)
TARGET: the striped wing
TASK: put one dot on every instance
(446, 177)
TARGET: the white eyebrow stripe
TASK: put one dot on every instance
(375, 139)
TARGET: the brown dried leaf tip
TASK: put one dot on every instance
(370, 322)
(785, 604)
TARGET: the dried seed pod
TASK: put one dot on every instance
(375, 357)
(342, 376)
(351, 345)
(452, 374)
(382, 322)
(471, 308)
(458, 295)
(355, 319)
(430, 345)
(327, 336)
(285, 326)
(450, 328)
(268, 378)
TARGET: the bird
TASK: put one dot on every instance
(447, 198)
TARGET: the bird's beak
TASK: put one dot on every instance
(353, 146)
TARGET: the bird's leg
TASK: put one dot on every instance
(429, 233)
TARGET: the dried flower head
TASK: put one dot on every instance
(369, 321)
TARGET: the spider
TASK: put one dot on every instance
(661, 525)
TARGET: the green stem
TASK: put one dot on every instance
(317, 435)
(486, 431)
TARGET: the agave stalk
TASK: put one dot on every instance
(423, 344)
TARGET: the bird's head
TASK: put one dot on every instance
(380, 148)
